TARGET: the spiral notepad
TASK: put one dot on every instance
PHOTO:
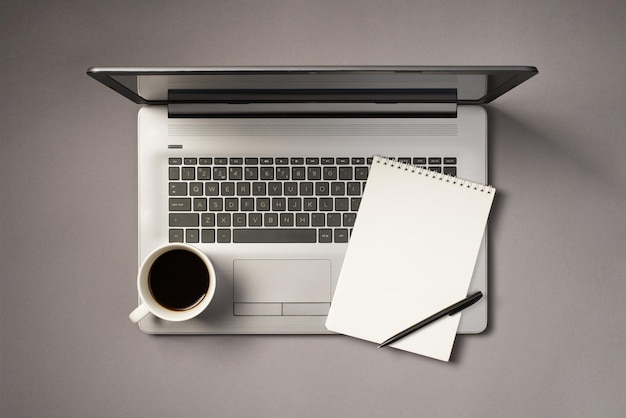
(412, 253)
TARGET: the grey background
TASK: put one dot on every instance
(555, 345)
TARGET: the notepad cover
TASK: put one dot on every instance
(412, 253)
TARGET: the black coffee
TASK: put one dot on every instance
(178, 280)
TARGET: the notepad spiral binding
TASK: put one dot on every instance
(433, 174)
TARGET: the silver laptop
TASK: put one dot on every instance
(263, 170)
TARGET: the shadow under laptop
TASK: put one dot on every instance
(529, 165)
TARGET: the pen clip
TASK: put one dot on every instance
(457, 310)
(469, 302)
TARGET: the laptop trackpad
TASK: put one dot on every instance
(281, 281)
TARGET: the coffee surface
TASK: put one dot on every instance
(178, 280)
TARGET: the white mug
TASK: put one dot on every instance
(176, 282)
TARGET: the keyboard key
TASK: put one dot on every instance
(286, 219)
(306, 188)
(298, 173)
(192, 235)
(180, 204)
(189, 173)
(184, 219)
(326, 235)
(290, 189)
(321, 188)
(195, 189)
(235, 173)
(176, 235)
(354, 189)
(360, 173)
(211, 188)
(262, 204)
(345, 173)
(267, 173)
(330, 173)
(174, 173)
(348, 219)
(200, 204)
(204, 173)
(231, 204)
(450, 171)
(341, 235)
(273, 235)
(239, 219)
(223, 235)
(279, 204)
(251, 173)
(255, 219)
(243, 188)
(341, 204)
(282, 173)
(247, 204)
(176, 161)
(208, 220)
(302, 219)
(207, 235)
(338, 188)
(219, 173)
(216, 204)
(275, 189)
(259, 189)
(178, 189)
(310, 204)
(314, 173)
(326, 204)
(228, 188)
(333, 219)
(318, 219)
(223, 219)
(294, 204)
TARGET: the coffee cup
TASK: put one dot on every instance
(176, 282)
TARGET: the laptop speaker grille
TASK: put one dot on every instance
(268, 129)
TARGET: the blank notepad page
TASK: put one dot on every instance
(411, 254)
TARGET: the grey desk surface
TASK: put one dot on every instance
(555, 345)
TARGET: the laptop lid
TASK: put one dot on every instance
(313, 91)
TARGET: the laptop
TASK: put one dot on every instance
(263, 170)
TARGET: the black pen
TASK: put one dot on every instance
(450, 310)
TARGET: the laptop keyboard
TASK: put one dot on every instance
(271, 199)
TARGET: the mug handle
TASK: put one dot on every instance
(139, 313)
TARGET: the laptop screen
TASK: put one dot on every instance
(463, 85)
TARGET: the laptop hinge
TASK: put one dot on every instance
(312, 110)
